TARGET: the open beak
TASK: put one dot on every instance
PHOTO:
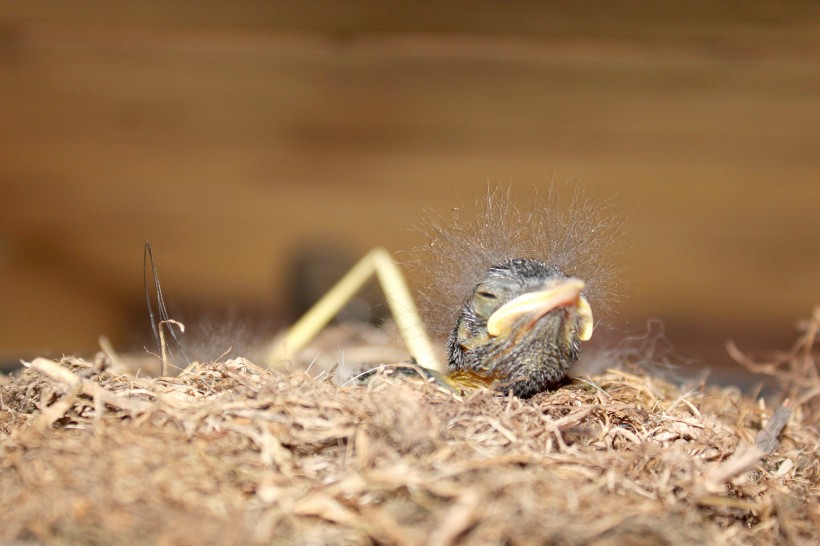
(559, 293)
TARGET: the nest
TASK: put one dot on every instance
(230, 453)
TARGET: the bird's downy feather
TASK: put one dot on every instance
(573, 233)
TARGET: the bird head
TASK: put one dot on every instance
(512, 286)
(521, 328)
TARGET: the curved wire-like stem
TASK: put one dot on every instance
(399, 300)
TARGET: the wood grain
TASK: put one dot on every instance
(233, 133)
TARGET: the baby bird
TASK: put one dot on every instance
(521, 329)
(525, 279)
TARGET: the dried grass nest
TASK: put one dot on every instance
(230, 453)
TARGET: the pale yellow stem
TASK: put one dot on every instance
(399, 300)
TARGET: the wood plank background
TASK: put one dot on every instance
(231, 134)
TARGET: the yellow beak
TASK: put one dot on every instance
(560, 293)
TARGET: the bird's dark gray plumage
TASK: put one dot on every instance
(481, 260)
(536, 353)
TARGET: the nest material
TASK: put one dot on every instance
(229, 453)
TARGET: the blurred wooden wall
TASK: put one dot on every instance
(229, 133)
